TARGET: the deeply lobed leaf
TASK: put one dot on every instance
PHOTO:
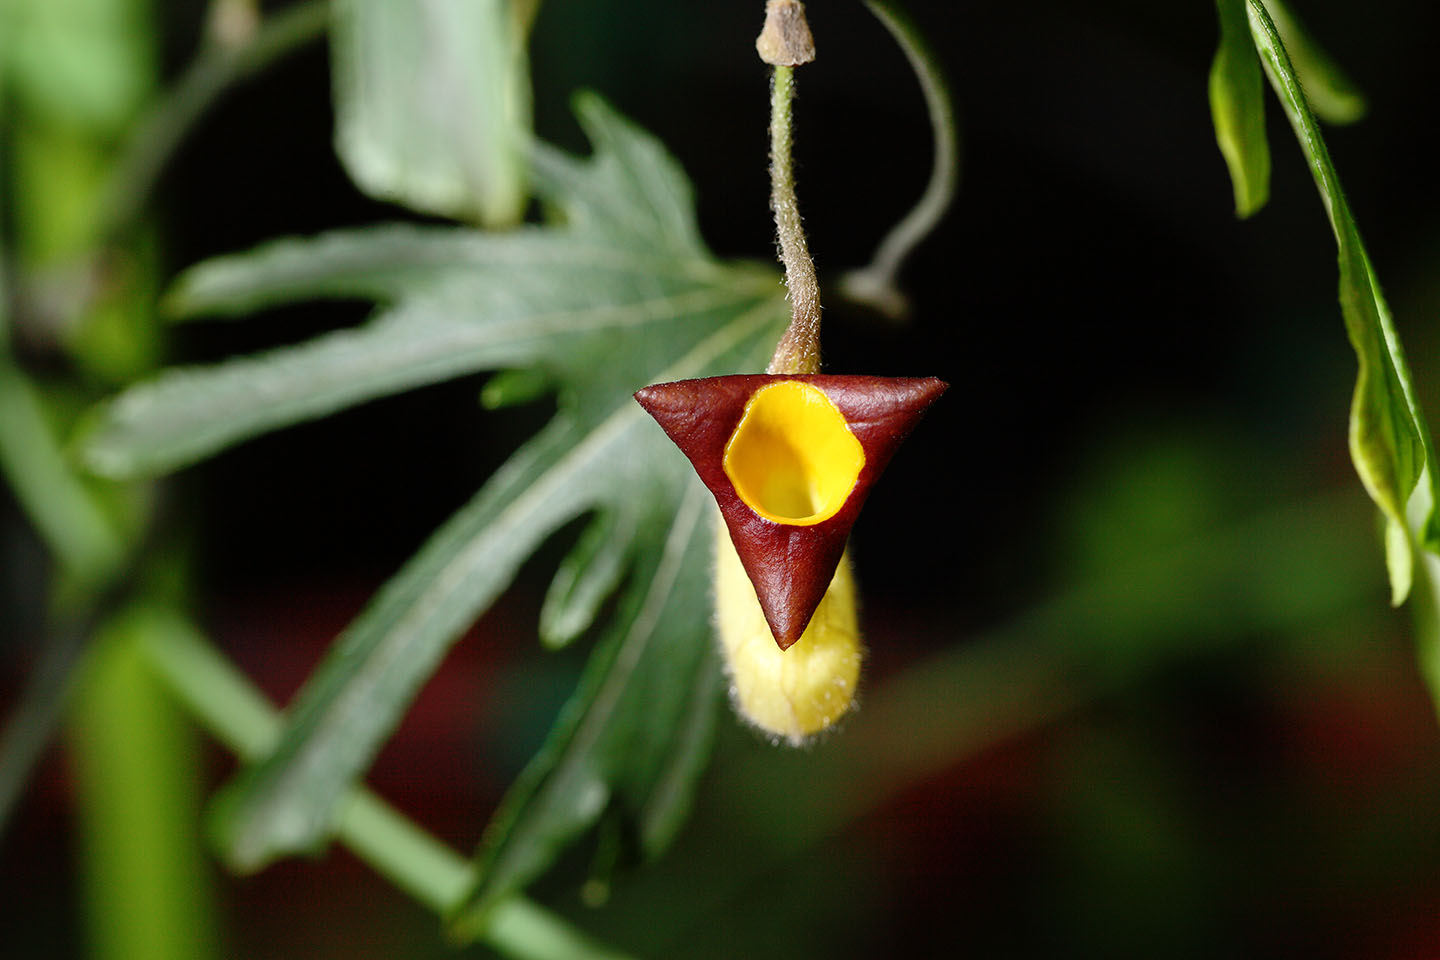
(619, 294)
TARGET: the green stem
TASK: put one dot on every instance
(137, 773)
(876, 284)
(799, 349)
(227, 705)
(38, 711)
(68, 519)
(210, 74)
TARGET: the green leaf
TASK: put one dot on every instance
(1332, 94)
(1389, 442)
(588, 574)
(514, 388)
(610, 748)
(619, 295)
(432, 104)
(1237, 106)
(475, 318)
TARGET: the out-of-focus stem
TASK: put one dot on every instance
(137, 772)
(231, 709)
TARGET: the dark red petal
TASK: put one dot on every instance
(790, 565)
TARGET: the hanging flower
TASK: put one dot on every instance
(790, 456)
(790, 460)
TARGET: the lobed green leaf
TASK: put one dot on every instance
(647, 305)
(1237, 107)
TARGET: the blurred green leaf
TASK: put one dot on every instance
(1389, 442)
(432, 104)
(514, 388)
(1332, 94)
(84, 64)
(621, 295)
(73, 524)
(1237, 106)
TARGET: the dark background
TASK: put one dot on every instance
(1130, 365)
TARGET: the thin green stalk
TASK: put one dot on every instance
(71, 523)
(136, 767)
(75, 531)
(877, 283)
(225, 703)
(216, 69)
(799, 349)
(38, 711)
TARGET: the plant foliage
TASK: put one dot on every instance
(1389, 441)
(618, 293)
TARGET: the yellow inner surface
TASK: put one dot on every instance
(792, 458)
(790, 694)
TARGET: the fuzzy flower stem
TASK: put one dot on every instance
(786, 43)
(799, 349)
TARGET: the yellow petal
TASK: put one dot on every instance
(792, 458)
(796, 693)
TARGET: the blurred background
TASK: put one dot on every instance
(1124, 594)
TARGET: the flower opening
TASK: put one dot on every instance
(792, 458)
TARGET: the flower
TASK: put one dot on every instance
(790, 460)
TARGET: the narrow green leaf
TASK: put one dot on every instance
(1389, 442)
(600, 334)
(71, 521)
(615, 734)
(189, 413)
(393, 261)
(1332, 94)
(1237, 106)
(588, 574)
(432, 104)
(515, 388)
